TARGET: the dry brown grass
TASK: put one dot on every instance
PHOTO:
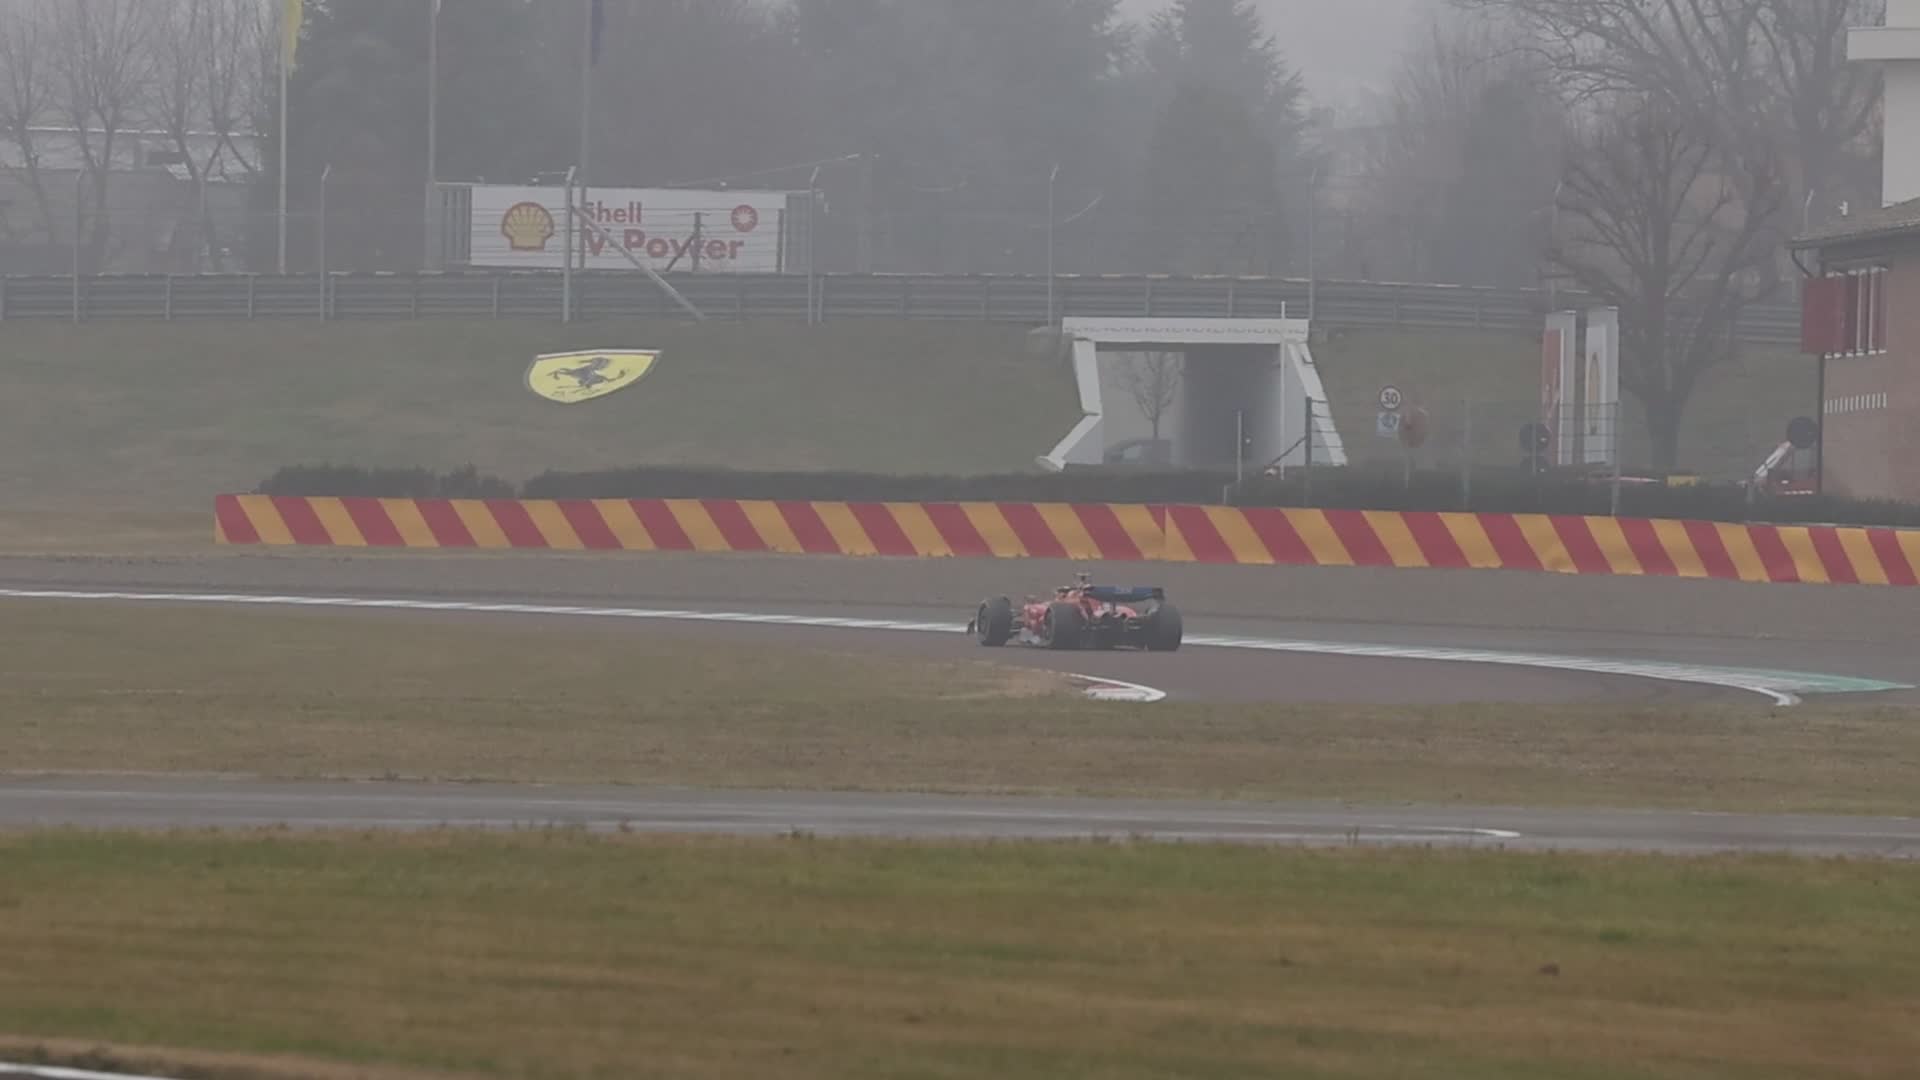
(85, 532)
(560, 955)
(184, 689)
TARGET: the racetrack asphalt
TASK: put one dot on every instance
(1860, 632)
(1834, 630)
(156, 803)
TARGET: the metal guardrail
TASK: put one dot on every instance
(485, 295)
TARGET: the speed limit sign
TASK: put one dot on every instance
(1390, 399)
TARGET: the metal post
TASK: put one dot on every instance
(1313, 214)
(1307, 442)
(699, 222)
(1239, 448)
(320, 238)
(1617, 458)
(863, 256)
(431, 224)
(1553, 241)
(566, 270)
(1466, 462)
(1820, 438)
(813, 247)
(586, 96)
(1052, 178)
(285, 82)
(79, 226)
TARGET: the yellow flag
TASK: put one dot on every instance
(291, 18)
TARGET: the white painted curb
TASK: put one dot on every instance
(1114, 690)
(50, 1072)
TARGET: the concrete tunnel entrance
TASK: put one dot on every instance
(1213, 374)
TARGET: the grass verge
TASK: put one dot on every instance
(83, 532)
(562, 955)
(166, 417)
(185, 689)
(1735, 419)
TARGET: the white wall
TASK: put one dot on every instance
(1260, 367)
(1896, 48)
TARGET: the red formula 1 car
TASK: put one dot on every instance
(1082, 616)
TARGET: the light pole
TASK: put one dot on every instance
(1052, 179)
(320, 238)
(1553, 241)
(1313, 220)
(566, 272)
(431, 224)
(813, 247)
(289, 38)
(79, 226)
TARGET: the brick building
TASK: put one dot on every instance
(1861, 320)
(1861, 301)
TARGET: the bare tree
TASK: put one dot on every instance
(1731, 68)
(101, 51)
(1464, 146)
(1677, 233)
(1829, 103)
(1706, 122)
(1154, 382)
(26, 100)
(204, 53)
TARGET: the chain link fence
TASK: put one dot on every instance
(1468, 436)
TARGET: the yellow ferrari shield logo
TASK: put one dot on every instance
(571, 378)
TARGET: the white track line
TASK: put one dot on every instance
(50, 1072)
(1783, 687)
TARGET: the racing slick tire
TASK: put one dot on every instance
(1064, 629)
(1165, 631)
(993, 625)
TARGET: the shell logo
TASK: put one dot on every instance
(528, 226)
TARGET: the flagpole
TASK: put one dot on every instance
(431, 222)
(586, 94)
(284, 82)
(586, 107)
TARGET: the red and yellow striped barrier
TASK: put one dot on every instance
(924, 530)
(1563, 545)
(1091, 532)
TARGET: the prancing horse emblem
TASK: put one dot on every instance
(571, 378)
(587, 375)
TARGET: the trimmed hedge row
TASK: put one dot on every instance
(1131, 486)
(467, 482)
(1508, 492)
(1491, 491)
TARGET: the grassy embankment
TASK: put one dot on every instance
(158, 418)
(337, 695)
(562, 955)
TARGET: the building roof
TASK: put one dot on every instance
(1899, 220)
(58, 151)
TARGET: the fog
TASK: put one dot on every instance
(1340, 46)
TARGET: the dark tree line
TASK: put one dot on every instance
(936, 125)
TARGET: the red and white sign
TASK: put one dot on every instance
(1559, 384)
(667, 229)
